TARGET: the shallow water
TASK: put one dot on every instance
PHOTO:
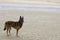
(29, 7)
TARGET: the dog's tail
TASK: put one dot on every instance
(4, 28)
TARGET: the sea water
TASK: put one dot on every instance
(31, 7)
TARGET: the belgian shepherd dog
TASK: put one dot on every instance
(15, 24)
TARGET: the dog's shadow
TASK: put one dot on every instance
(5, 37)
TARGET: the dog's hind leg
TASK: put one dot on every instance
(7, 27)
(9, 31)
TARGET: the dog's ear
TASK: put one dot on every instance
(20, 17)
(23, 18)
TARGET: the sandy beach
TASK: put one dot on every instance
(41, 22)
(38, 25)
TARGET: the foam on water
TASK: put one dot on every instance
(29, 7)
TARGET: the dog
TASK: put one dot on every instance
(15, 24)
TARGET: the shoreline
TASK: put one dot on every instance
(29, 7)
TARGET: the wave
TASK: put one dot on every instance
(29, 7)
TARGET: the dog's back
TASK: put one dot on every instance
(13, 24)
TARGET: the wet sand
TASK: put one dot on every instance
(38, 25)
